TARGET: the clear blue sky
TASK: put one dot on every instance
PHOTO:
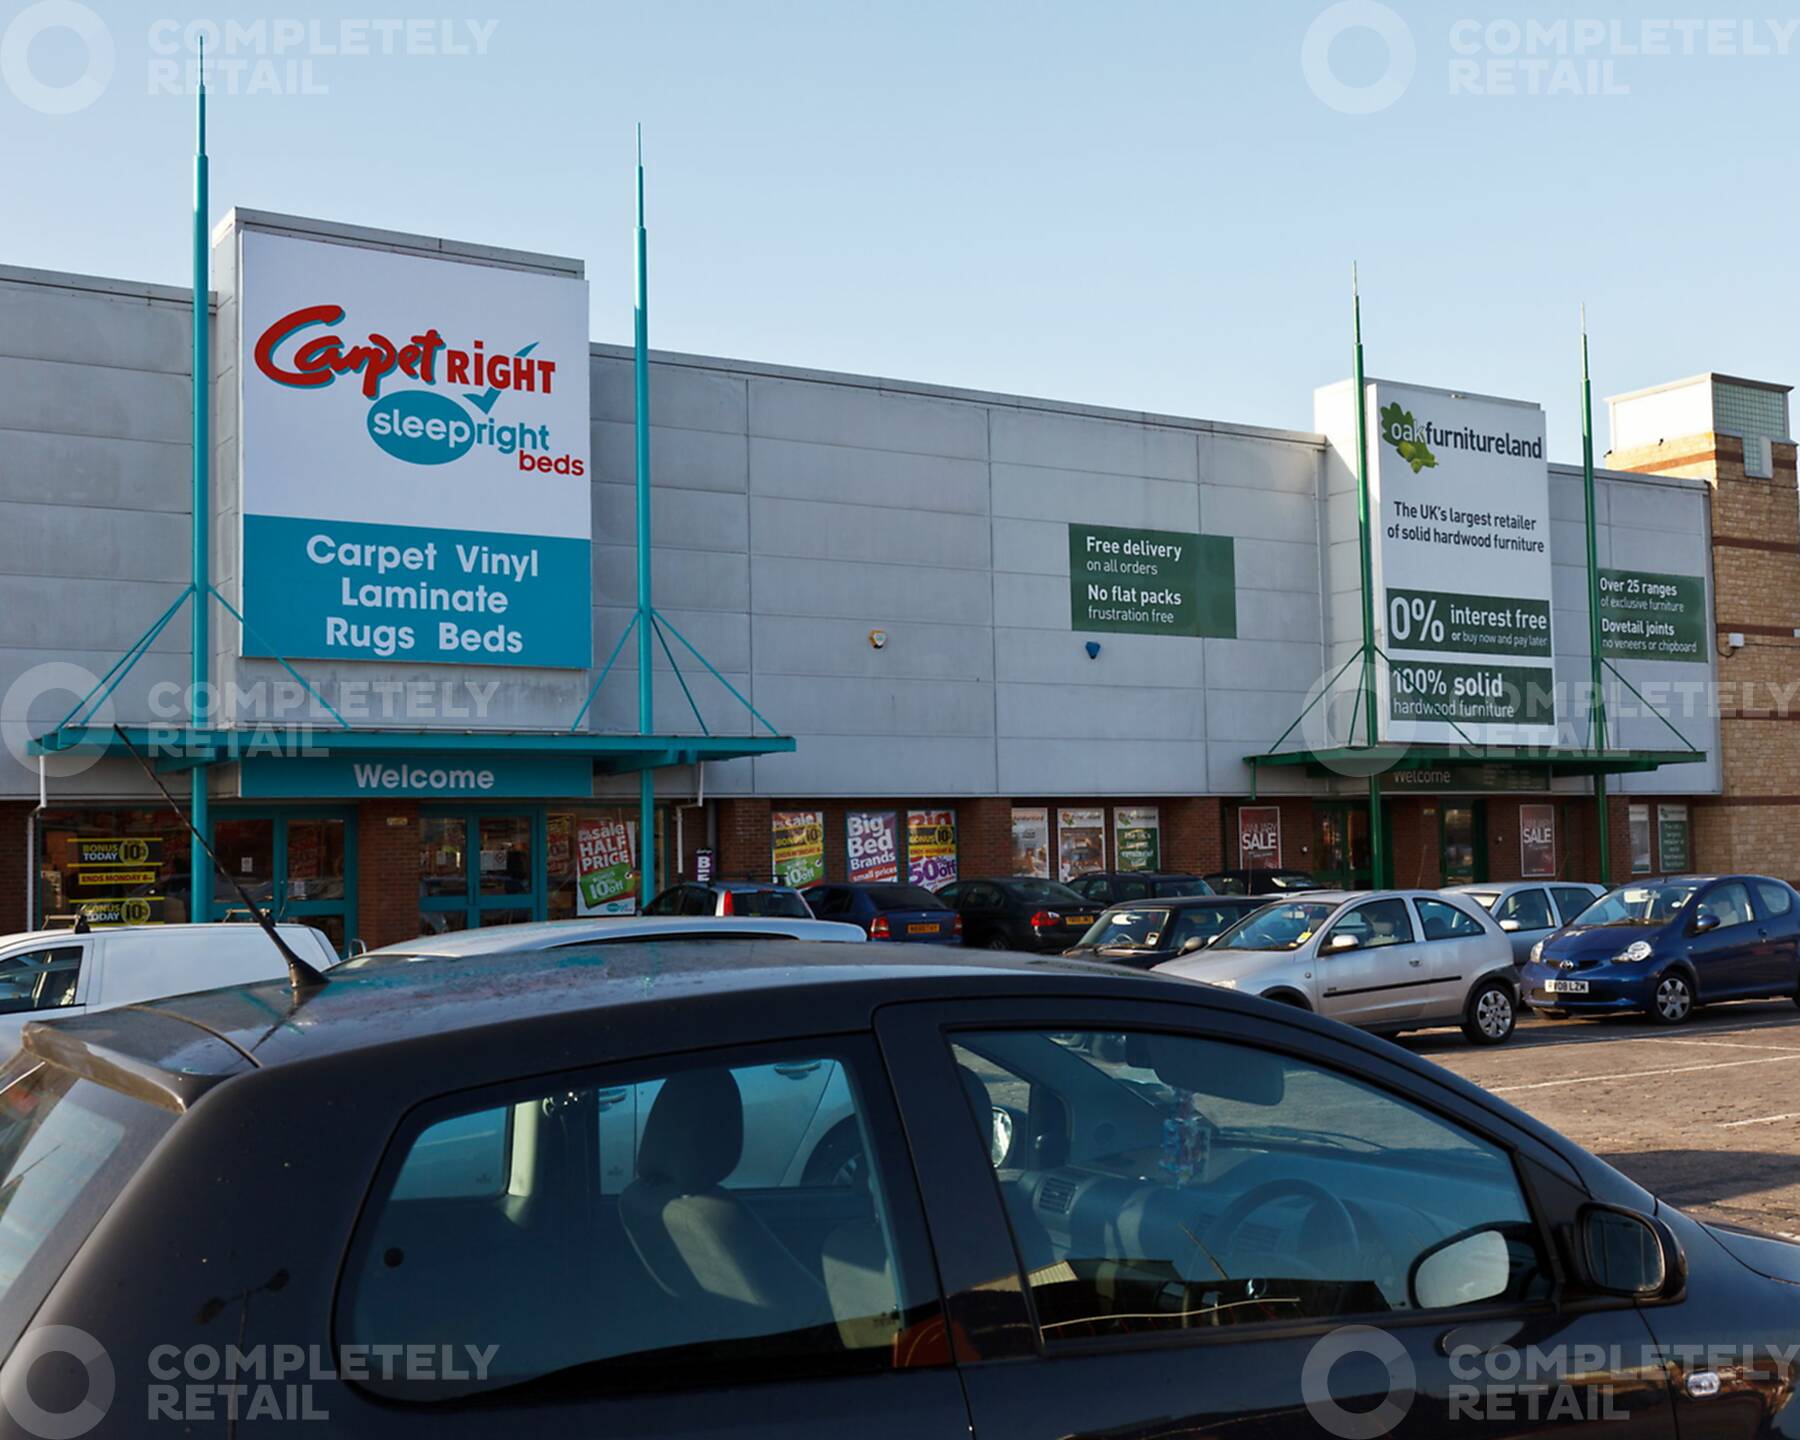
(1126, 203)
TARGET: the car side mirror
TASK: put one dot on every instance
(1511, 927)
(1000, 1137)
(1622, 1253)
(1195, 942)
(1704, 922)
(1463, 1270)
(1342, 941)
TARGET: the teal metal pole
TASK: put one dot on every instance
(646, 635)
(1371, 731)
(1597, 706)
(199, 861)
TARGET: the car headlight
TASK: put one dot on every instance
(1537, 952)
(1637, 950)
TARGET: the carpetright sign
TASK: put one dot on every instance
(413, 445)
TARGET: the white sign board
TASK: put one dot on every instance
(413, 446)
(1460, 510)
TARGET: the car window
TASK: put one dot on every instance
(667, 903)
(1773, 897)
(951, 895)
(984, 897)
(904, 897)
(1529, 908)
(1729, 902)
(1171, 888)
(675, 1275)
(697, 900)
(1129, 927)
(1044, 892)
(1440, 920)
(1131, 889)
(41, 979)
(828, 900)
(773, 904)
(1374, 924)
(1202, 921)
(1571, 901)
(1089, 888)
(1648, 902)
(1158, 1183)
(1278, 927)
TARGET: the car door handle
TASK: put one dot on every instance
(1415, 963)
(606, 1099)
(800, 1071)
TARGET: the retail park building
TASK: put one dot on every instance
(1004, 634)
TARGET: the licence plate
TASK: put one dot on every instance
(1566, 987)
(921, 929)
(1078, 919)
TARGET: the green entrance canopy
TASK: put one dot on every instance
(1381, 759)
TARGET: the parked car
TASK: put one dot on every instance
(730, 897)
(59, 974)
(1261, 882)
(1013, 913)
(608, 930)
(1113, 887)
(1144, 935)
(1077, 1203)
(1662, 947)
(1388, 961)
(1529, 910)
(888, 910)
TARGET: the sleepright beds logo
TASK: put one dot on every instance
(421, 426)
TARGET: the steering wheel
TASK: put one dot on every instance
(1221, 1235)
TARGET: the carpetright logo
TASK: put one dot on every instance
(1413, 440)
(420, 424)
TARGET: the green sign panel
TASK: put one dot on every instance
(1472, 694)
(1647, 616)
(1152, 582)
(1465, 779)
(1468, 624)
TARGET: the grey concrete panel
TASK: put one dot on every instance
(846, 705)
(1291, 615)
(59, 613)
(1264, 466)
(722, 636)
(820, 530)
(1099, 713)
(1277, 565)
(1261, 665)
(41, 322)
(1121, 767)
(1254, 717)
(797, 470)
(814, 645)
(78, 470)
(84, 400)
(1031, 602)
(1035, 492)
(680, 459)
(681, 396)
(1667, 551)
(882, 595)
(1080, 442)
(1047, 657)
(904, 765)
(866, 418)
(1033, 547)
(691, 519)
(1260, 515)
(108, 544)
(679, 579)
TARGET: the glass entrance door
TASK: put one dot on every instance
(299, 863)
(1341, 857)
(479, 868)
(1463, 853)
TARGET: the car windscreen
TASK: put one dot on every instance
(1484, 898)
(67, 1148)
(1130, 927)
(1043, 892)
(1652, 903)
(1276, 927)
(1292, 880)
(907, 897)
(776, 904)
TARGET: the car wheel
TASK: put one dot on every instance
(837, 1159)
(997, 941)
(1492, 1014)
(1673, 1003)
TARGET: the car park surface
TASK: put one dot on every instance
(1330, 1179)
(1662, 947)
(1387, 961)
(1010, 913)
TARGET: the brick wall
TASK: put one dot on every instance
(746, 845)
(387, 871)
(15, 860)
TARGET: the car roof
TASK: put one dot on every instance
(607, 930)
(559, 992)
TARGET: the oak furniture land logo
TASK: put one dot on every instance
(1407, 436)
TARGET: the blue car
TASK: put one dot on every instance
(1660, 947)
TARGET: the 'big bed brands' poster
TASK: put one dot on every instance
(872, 844)
(413, 445)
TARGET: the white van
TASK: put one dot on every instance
(53, 974)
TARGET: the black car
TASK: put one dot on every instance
(1014, 913)
(501, 1195)
(1146, 934)
(1261, 882)
(887, 910)
(1110, 887)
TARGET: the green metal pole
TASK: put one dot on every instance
(199, 863)
(646, 638)
(1597, 709)
(1371, 731)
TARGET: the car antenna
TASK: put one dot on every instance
(301, 976)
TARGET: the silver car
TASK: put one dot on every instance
(1387, 960)
(1530, 910)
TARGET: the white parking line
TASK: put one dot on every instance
(1642, 1074)
(1760, 1120)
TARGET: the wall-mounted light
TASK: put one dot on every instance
(1093, 649)
(878, 638)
